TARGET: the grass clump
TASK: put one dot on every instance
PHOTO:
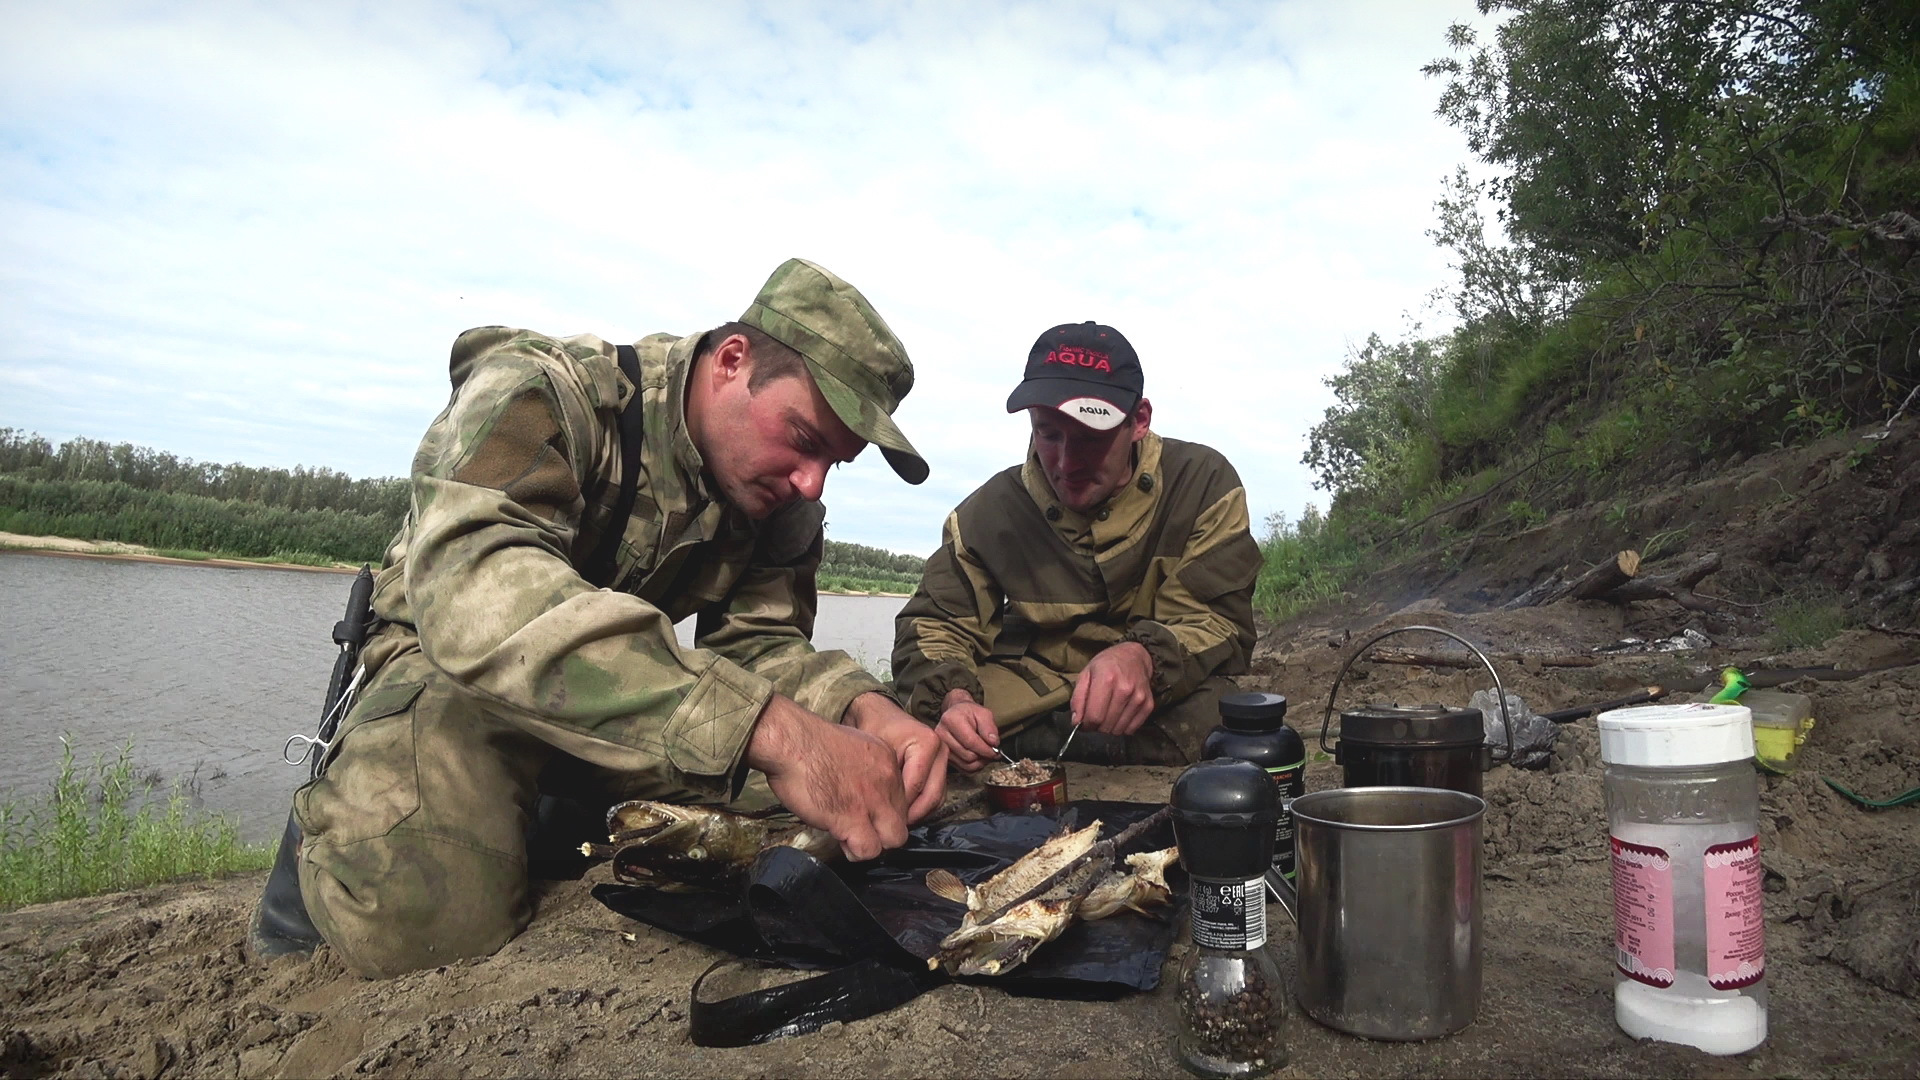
(1809, 621)
(100, 831)
(1303, 564)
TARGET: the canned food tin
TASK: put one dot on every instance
(1022, 797)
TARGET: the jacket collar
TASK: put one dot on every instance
(1119, 516)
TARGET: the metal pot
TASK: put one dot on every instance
(1414, 745)
(1387, 906)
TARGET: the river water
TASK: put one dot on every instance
(207, 670)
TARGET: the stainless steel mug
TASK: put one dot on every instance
(1387, 906)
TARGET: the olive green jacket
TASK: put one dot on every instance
(513, 487)
(1023, 591)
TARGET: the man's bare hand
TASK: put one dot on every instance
(1114, 694)
(968, 731)
(832, 776)
(922, 756)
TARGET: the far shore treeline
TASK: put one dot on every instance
(86, 489)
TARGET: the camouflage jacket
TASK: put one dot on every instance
(1036, 589)
(513, 487)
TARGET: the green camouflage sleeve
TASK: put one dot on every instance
(498, 605)
(1200, 616)
(766, 625)
(947, 629)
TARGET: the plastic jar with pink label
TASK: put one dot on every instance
(1689, 929)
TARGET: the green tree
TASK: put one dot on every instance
(1382, 416)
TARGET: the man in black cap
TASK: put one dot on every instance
(1096, 596)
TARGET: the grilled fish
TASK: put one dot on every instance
(1141, 887)
(1093, 890)
(1002, 944)
(698, 847)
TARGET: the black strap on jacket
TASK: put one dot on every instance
(600, 568)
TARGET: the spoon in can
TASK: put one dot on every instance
(1062, 752)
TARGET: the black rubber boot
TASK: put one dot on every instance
(556, 827)
(280, 923)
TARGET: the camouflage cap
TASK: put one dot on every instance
(861, 368)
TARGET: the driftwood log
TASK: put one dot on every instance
(1676, 585)
(1619, 581)
(1590, 585)
(1468, 660)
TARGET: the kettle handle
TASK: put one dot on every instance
(1499, 688)
(1282, 892)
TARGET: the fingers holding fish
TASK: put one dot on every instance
(833, 776)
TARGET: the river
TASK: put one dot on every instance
(207, 670)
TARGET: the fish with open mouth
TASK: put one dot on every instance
(1094, 889)
(698, 847)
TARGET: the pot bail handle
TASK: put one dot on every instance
(1499, 688)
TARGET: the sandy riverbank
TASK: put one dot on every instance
(68, 547)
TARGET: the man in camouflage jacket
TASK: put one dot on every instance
(499, 671)
(1106, 584)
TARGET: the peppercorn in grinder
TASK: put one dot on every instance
(1230, 999)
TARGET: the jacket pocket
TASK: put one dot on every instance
(371, 782)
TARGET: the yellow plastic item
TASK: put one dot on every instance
(1781, 723)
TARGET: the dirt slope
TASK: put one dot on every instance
(155, 982)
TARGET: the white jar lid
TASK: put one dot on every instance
(1676, 735)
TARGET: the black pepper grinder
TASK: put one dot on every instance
(1231, 1001)
(1253, 728)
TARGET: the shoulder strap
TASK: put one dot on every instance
(600, 568)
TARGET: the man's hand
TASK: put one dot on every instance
(832, 776)
(1114, 694)
(967, 731)
(923, 759)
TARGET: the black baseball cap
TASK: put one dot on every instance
(1086, 370)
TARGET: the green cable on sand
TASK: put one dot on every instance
(1907, 799)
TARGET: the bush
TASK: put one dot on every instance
(105, 834)
(113, 510)
(1304, 564)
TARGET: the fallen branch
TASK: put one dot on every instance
(1590, 585)
(1581, 712)
(1767, 678)
(1604, 578)
(1676, 586)
(1468, 660)
(1551, 585)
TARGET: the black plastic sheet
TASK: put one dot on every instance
(873, 926)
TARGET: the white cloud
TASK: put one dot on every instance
(250, 231)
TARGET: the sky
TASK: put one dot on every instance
(250, 232)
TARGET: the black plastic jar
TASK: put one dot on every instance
(1253, 728)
